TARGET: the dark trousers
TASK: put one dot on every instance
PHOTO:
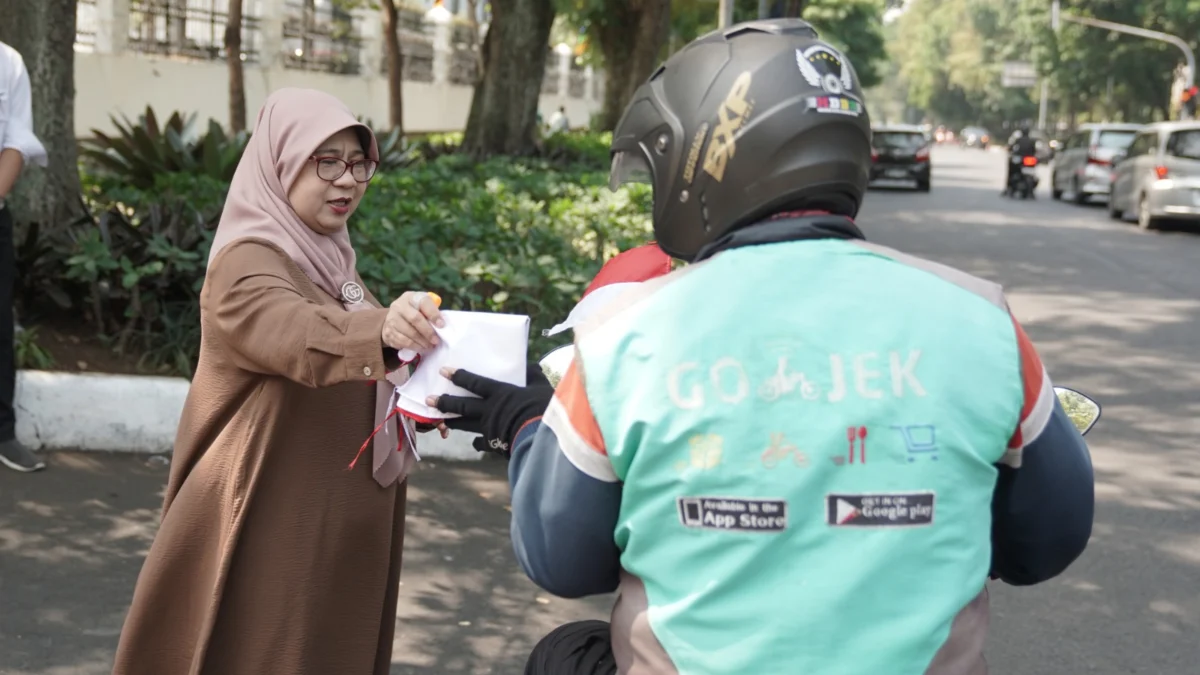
(580, 648)
(1013, 169)
(8, 358)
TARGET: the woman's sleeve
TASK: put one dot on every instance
(267, 326)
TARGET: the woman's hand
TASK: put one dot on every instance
(410, 321)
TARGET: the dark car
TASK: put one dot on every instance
(900, 153)
(974, 137)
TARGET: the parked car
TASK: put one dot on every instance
(901, 152)
(1083, 168)
(1158, 177)
(974, 137)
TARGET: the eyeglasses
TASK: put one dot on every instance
(332, 168)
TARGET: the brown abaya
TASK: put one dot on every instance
(272, 557)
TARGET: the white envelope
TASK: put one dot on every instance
(487, 344)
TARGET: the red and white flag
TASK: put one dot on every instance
(623, 272)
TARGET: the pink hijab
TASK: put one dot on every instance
(290, 127)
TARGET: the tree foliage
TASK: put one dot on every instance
(627, 38)
(950, 56)
(854, 26)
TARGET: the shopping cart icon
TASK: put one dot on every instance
(920, 440)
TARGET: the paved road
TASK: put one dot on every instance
(1115, 311)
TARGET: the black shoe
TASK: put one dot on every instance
(18, 458)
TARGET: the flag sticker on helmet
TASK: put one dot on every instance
(835, 104)
(731, 117)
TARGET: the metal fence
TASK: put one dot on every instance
(416, 44)
(193, 29)
(577, 80)
(464, 61)
(551, 78)
(85, 26)
(418, 59)
(318, 36)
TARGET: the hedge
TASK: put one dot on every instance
(505, 235)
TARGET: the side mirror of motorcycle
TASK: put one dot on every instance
(1082, 410)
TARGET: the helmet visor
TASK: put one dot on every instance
(629, 167)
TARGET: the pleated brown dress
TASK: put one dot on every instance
(271, 556)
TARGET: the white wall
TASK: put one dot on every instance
(113, 78)
(115, 84)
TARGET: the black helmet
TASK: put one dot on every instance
(744, 122)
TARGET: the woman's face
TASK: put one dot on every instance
(325, 205)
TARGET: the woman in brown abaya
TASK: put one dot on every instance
(272, 557)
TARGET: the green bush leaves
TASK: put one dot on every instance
(506, 235)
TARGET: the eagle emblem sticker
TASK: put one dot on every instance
(823, 67)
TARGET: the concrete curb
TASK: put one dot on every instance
(133, 413)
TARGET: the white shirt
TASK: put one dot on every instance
(559, 123)
(16, 108)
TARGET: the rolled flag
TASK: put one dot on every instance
(625, 271)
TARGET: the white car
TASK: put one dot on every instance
(1083, 168)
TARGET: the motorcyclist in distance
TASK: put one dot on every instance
(803, 452)
(1023, 146)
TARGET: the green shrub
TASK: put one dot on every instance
(139, 152)
(503, 235)
(133, 267)
(29, 353)
(521, 236)
(579, 147)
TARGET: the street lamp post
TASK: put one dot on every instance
(725, 17)
(1056, 16)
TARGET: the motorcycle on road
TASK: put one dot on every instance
(1024, 180)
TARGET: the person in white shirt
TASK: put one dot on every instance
(18, 147)
(559, 122)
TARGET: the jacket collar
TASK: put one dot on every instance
(790, 226)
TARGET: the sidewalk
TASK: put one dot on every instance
(72, 540)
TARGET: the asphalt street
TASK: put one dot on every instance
(1115, 312)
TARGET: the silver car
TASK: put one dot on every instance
(1158, 178)
(1082, 169)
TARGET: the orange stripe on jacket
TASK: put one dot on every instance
(573, 397)
(1034, 381)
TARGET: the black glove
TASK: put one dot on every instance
(501, 410)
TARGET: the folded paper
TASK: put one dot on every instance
(487, 344)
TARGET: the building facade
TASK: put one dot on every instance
(170, 55)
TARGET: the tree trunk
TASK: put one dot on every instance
(504, 107)
(233, 58)
(794, 9)
(395, 64)
(630, 36)
(473, 21)
(44, 33)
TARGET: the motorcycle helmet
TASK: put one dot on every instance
(742, 123)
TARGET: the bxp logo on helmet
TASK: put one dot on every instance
(731, 116)
(837, 80)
